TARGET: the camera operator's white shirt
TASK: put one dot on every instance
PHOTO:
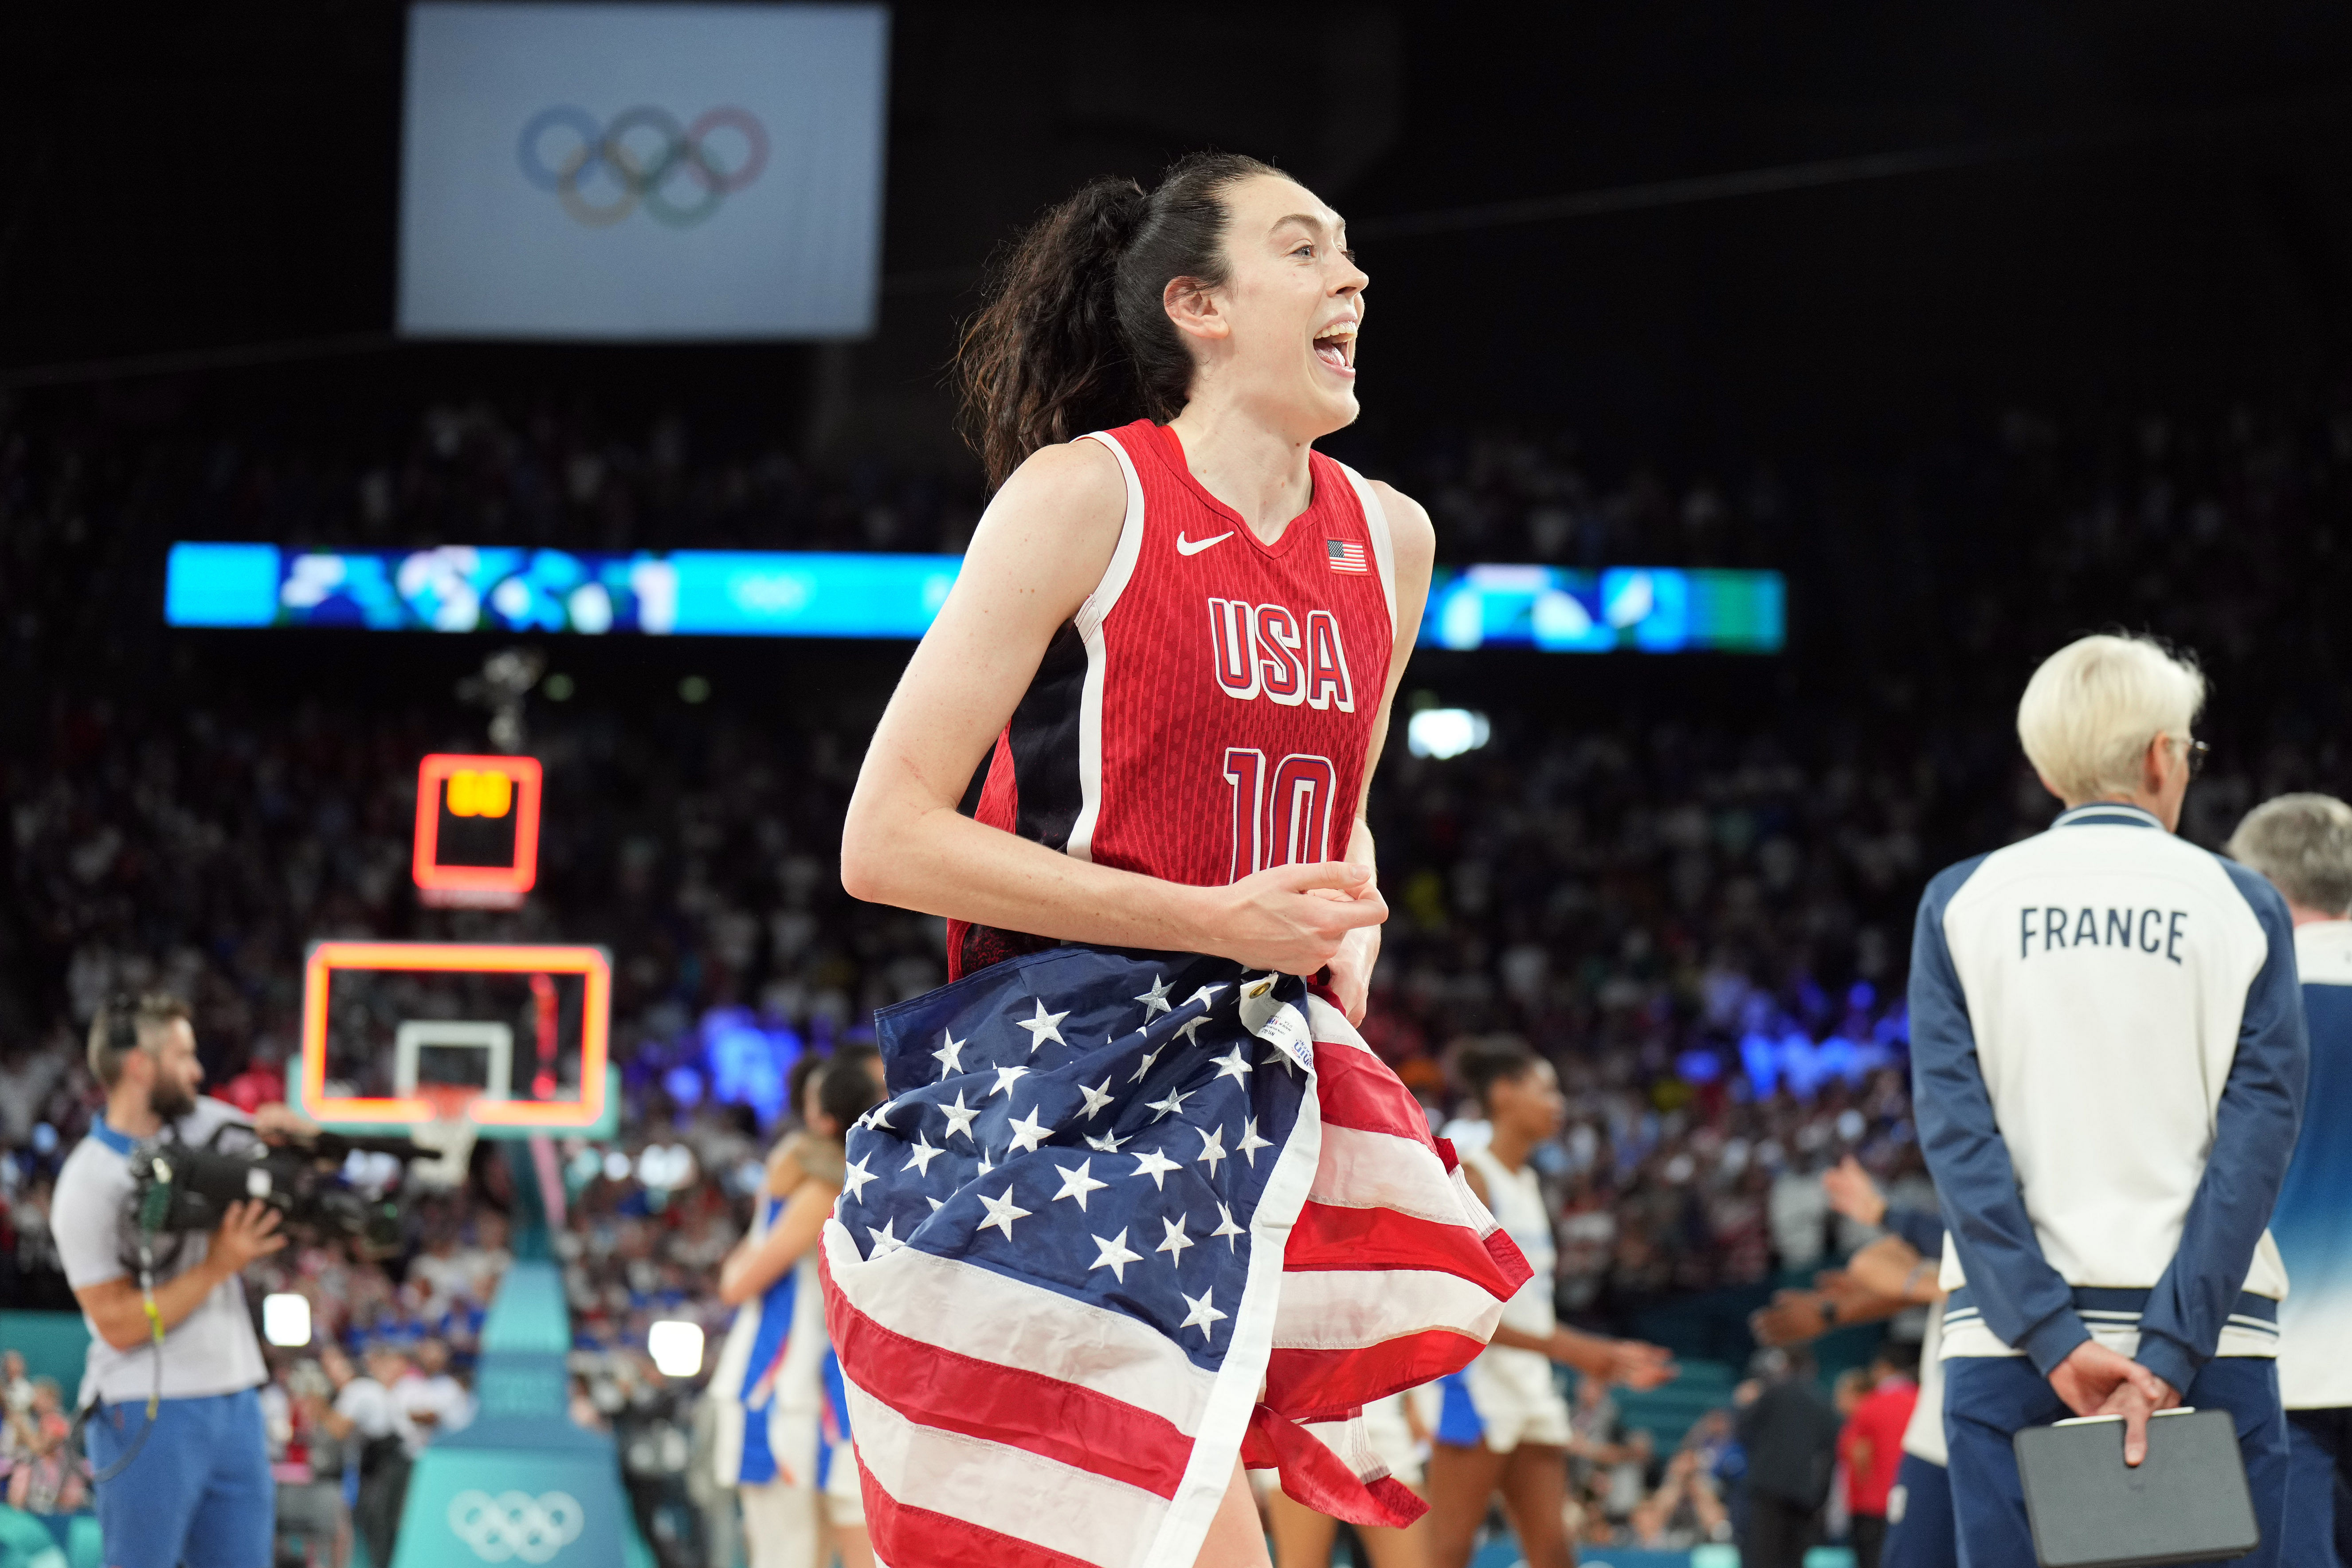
(213, 1350)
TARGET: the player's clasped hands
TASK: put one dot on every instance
(1292, 918)
(2095, 1380)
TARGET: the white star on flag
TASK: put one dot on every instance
(1149, 1057)
(1107, 1143)
(855, 1177)
(1155, 1001)
(1205, 994)
(959, 1117)
(1112, 1254)
(1233, 1065)
(920, 1156)
(1202, 1315)
(880, 1116)
(1229, 1230)
(1213, 1148)
(1185, 1032)
(1277, 1056)
(886, 1240)
(1043, 1028)
(1170, 1106)
(936, 1203)
(1076, 1184)
(1029, 1132)
(985, 1165)
(1174, 1243)
(949, 1056)
(1096, 1098)
(1151, 1163)
(1005, 1078)
(1002, 1212)
(1251, 1143)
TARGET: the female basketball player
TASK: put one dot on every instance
(1156, 693)
(1503, 1426)
(782, 1442)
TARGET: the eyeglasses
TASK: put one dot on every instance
(2197, 752)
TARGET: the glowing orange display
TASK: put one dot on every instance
(481, 787)
(590, 964)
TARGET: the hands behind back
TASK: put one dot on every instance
(2095, 1380)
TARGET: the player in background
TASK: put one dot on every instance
(783, 1437)
(1502, 1426)
(2303, 843)
(1148, 713)
(1889, 1275)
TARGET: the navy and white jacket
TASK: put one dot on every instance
(2109, 1055)
(2315, 1354)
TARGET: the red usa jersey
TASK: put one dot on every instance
(1207, 713)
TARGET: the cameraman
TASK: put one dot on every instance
(200, 1489)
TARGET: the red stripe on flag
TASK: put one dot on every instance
(1355, 1089)
(1329, 1236)
(1306, 1381)
(1026, 1410)
(907, 1537)
(1314, 1475)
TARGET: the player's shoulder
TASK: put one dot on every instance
(1410, 529)
(1083, 474)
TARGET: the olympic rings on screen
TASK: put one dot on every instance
(517, 1524)
(648, 159)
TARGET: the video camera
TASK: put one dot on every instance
(178, 1189)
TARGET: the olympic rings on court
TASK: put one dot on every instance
(651, 159)
(517, 1524)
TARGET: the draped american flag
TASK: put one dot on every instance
(1109, 1198)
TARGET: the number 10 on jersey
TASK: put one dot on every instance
(1281, 817)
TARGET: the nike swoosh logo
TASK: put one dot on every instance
(1194, 546)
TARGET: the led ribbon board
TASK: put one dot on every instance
(477, 829)
(537, 966)
(1642, 609)
(746, 593)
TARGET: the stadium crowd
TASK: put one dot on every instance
(1701, 915)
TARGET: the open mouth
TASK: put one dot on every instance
(1336, 346)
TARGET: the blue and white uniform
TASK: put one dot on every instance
(783, 1431)
(2311, 1224)
(1506, 1398)
(2109, 1054)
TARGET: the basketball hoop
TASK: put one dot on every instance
(449, 1133)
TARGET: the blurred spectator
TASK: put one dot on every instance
(42, 1475)
(1870, 1449)
(1790, 1435)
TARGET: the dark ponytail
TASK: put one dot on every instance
(1074, 335)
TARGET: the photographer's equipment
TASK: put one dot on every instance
(178, 1189)
(2186, 1502)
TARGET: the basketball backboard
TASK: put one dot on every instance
(393, 1030)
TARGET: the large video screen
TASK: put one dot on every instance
(642, 172)
(777, 593)
(1647, 609)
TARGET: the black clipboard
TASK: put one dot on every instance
(2186, 1502)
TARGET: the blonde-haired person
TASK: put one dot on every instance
(2303, 843)
(2108, 1057)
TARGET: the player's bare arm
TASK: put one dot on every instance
(1415, 543)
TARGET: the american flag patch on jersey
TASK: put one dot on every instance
(1347, 555)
